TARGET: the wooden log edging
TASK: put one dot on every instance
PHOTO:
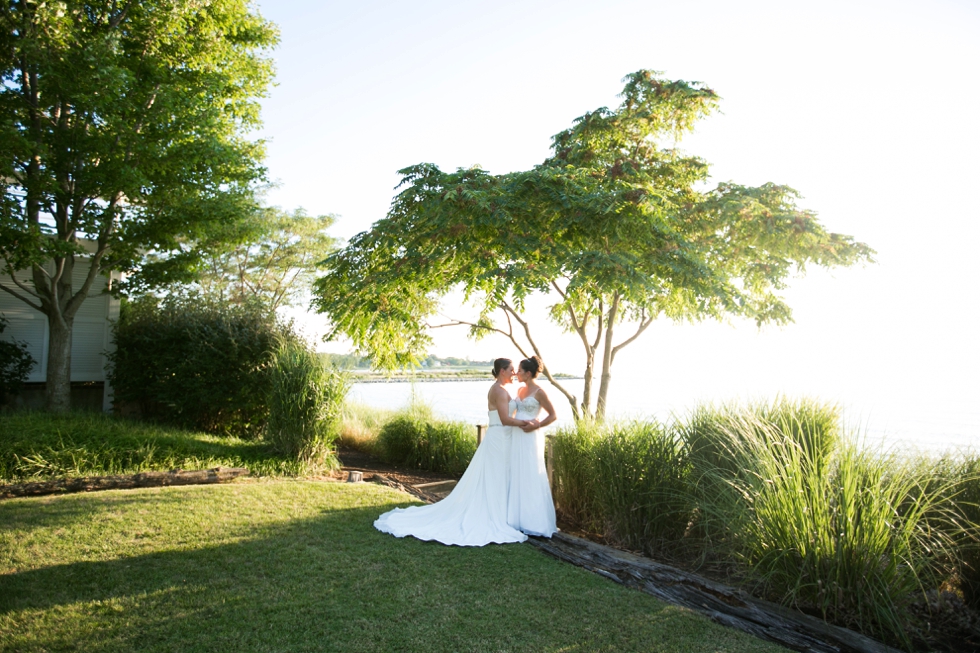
(123, 482)
(381, 479)
(725, 605)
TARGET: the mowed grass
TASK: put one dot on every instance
(293, 565)
(37, 446)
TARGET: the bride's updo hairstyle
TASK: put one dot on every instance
(500, 364)
(531, 366)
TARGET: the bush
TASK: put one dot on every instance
(15, 364)
(199, 365)
(305, 403)
(417, 438)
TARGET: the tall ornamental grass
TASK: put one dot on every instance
(360, 425)
(629, 482)
(846, 534)
(793, 506)
(416, 437)
(305, 403)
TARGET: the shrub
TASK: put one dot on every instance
(305, 402)
(415, 437)
(15, 364)
(200, 365)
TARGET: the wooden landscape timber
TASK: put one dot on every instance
(722, 604)
(123, 482)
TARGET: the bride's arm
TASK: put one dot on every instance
(501, 400)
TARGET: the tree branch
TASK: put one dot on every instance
(644, 323)
(572, 399)
(22, 298)
(598, 333)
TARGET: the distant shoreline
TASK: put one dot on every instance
(434, 378)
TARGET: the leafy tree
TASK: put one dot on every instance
(122, 130)
(617, 225)
(269, 258)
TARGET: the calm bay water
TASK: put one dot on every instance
(877, 420)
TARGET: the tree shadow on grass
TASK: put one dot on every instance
(333, 582)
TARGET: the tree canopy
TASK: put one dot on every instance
(123, 129)
(269, 258)
(618, 226)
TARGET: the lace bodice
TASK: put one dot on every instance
(495, 418)
(527, 408)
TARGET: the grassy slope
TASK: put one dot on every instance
(296, 565)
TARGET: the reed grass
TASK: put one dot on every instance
(305, 403)
(846, 535)
(416, 437)
(360, 425)
(794, 507)
(630, 482)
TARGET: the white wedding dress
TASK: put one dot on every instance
(530, 507)
(475, 513)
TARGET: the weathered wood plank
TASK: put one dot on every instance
(722, 604)
(123, 482)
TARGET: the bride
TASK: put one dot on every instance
(476, 511)
(530, 507)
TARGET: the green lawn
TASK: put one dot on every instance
(38, 445)
(289, 565)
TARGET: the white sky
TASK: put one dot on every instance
(869, 109)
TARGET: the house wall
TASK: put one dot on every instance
(91, 333)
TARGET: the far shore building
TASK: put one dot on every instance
(91, 338)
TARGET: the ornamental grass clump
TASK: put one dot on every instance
(837, 530)
(305, 403)
(628, 481)
(416, 437)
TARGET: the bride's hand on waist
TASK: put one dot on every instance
(530, 425)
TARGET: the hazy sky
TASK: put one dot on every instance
(869, 109)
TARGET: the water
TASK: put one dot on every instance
(879, 420)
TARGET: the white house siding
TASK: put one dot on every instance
(91, 333)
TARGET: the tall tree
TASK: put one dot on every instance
(617, 226)
(268, 258)
(122, 130)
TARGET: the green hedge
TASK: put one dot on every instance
(197, 365)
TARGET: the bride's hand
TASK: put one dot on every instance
(530, 426)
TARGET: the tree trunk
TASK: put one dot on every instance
(58, 385)
(607, 356)
(587, 385)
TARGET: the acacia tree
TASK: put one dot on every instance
(269, 258)
(122, 126)
(617, 226)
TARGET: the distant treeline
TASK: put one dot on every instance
(355, 362)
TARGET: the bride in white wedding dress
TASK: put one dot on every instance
(475, 513)
(530, 508)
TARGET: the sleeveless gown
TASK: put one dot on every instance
(530, 507)
(475, 512)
